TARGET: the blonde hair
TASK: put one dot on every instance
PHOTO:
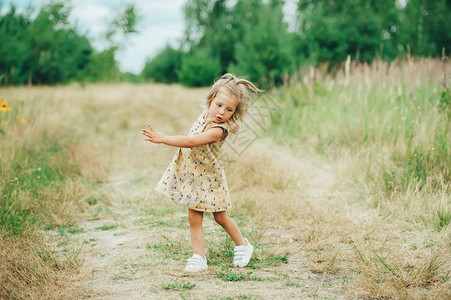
(235, 87)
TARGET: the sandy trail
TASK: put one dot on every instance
(121, 259)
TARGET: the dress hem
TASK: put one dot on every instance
(196, 209)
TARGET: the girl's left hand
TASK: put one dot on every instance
(153, 136)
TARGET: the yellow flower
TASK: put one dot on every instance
(4, 123)
(21, 119)
(4, 106)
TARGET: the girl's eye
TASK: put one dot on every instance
(230, 109)
(218, 105)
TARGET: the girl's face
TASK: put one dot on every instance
(222, 107)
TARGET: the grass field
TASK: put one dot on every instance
(342, 183)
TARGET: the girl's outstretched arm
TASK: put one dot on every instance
(211, 135)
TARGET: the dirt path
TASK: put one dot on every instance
(126, 244)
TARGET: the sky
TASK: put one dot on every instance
(161, 22)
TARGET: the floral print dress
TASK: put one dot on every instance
(195, 177)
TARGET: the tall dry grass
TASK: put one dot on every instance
(388, 127)
(47, 171)
(393, 120)
(31, 270)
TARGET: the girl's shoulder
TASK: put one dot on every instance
(225, 126)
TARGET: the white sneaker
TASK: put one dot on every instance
(242, 255)
(196, 263)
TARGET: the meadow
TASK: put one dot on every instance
(343, 186)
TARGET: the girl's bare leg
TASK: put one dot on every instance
(196, 230)
(230, 227)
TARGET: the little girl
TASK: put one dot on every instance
(195, 177)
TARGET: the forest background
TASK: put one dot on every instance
(250, 38)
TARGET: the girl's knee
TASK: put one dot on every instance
(220, 217)
(195, 217)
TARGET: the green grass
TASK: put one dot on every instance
(62, 230)
(266, 258)
(231, 275)
(178, 285)
(443, 217)
(101, 211)
(96, 199)
(122, 277)
(107, 227)
(292, 283)
(177, 249)
(240, 296)
(235, 275)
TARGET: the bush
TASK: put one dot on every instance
(199, 68)
(164, 66)
(103, 67)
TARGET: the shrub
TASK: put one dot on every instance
(199, 68)
(164, 66)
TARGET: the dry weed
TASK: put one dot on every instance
(30, 269)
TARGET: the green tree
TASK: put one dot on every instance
(59, 53)
(44, 50)
(164, 66)
(214, 25)
(264, 53)
(199, 68)
(426, 26)
(247, 37)
(14, 47)
(341, 28)
(389, 16)
(103, 67)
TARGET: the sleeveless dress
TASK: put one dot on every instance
(195, 178)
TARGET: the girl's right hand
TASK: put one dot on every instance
(152, 135)
(234, 127)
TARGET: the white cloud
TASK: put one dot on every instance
(91, 17)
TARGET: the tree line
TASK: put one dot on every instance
(47, 49)
(248, 37)
(252, 38)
